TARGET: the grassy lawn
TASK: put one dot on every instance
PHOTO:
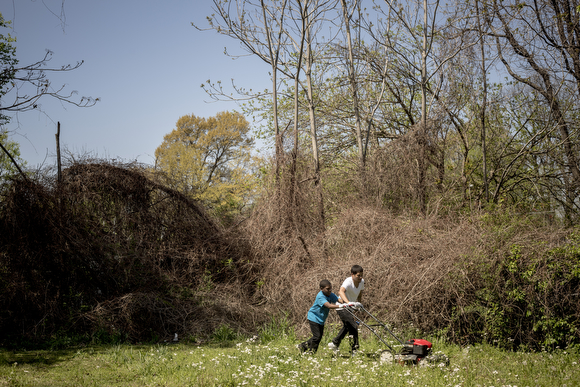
(279, 363)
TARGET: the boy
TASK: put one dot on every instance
(317, 314)
(350, 291)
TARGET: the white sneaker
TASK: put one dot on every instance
(332, 346)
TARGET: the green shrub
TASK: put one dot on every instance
(223, 334)
(524, 296)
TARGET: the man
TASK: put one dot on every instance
(350, 291)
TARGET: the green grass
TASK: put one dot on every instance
(278, 363)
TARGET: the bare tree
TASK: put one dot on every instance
(290, 51)
(310, 10)
(483, 99)
(31, 83)
(274, 45)
(22, 87)
(419, 25)
(347, 15)
(538, 45)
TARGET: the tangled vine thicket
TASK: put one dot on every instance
(109, 250)
(497, 276)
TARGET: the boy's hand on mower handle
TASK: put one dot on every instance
(354, 305)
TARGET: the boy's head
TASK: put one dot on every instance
(325, 287)
(357, 274)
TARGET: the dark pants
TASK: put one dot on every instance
(348, 326)
(312, 343)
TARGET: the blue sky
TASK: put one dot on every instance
(142, 58)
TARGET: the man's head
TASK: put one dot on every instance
(325, 287)
(357, 274)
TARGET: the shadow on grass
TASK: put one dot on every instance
(49, 357)
(38, 357)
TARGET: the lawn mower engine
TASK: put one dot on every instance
(413, 351)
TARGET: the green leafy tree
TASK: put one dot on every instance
(210, 160)
(7, 168)
(8, 62)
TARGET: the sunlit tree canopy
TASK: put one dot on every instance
(209, 158)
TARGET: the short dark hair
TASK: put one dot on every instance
(356, 269)
(324, 283)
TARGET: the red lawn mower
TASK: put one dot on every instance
(413, 351)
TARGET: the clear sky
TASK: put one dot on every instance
(142, 58)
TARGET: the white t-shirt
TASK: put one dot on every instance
(352, 291)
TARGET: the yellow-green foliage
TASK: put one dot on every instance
(6, 166)
(7, 62)
(210, 159)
